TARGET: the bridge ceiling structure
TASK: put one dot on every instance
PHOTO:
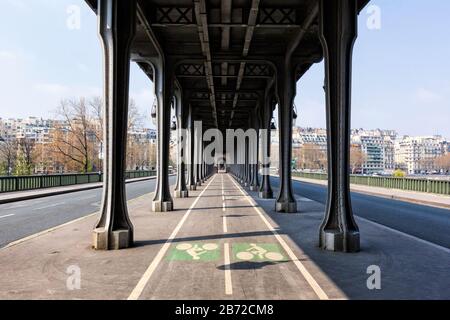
(223, 50)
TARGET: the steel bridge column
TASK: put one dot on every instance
(338, 29)
(198, 157)
(265, 192)
(192, 166)
(254, 183)
(164, 83)
(286, 93)
(117, 22)
(181, 190)
(247, 163)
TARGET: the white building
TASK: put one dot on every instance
(378, 146)
(417, 154)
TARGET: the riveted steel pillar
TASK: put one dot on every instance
(254, 183)
(286, 93)
(192, 166)
(247, 162)
(181, 190)
(117, 23)
(164, 83)
(265, 192)
(338, 27)
(198, 154)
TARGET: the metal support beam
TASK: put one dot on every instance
(164, 84)
(117, 20)
(192, 168)
(286, 86)
(338, 29)
(266, 192)
(181, 190)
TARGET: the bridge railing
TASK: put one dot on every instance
(23, 183)
(409, 184)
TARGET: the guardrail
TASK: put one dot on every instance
(23, 183)
(410, 184)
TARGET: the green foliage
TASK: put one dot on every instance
(399, 174)
(22, 168)
(3, 168)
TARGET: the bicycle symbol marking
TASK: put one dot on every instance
(196, 250)
(258, 252)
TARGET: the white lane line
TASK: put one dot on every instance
(224, 206)
(228, 283)
(225, 227)
(49, 206)
(6, 216)
(137, 291)
(89, 197)
(308, 277)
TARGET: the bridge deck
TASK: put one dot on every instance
(196, 253)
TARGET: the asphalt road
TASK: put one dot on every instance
(24, 218)
(21, 219)
(424, 222)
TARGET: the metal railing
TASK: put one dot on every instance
(23, 183)
(409, 184)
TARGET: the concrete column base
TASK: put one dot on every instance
(119, 239)
(181, 194)
(286, 207)
(193, 187)
(162, 206)
(254, 188)
(334, 240)
(246, 184)
(266, 194)
(199, 183)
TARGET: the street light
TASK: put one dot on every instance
(294, 116)
(272, 124)
(153, 111)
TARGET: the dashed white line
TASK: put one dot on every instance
(308, 277)
(228, 283)
(6, 216)
(225, 227)
(49, 206)
(137, 291)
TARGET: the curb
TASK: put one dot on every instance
(58, 192)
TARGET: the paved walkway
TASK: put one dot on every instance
(221, 243)
(430, 199)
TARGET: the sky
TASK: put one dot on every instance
(401, 71)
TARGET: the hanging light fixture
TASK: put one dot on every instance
(153, 111)
(272, 124)
(294, 116)
(173, 127)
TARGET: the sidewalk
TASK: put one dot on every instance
(217, 223)
(8, 197)
(429, 199)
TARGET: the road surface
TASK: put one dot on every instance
(21, 219)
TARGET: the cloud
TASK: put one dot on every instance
(18, 4)
(427, 96)
(52, 89)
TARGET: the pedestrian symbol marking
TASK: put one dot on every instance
(258, 252)
(194, 252)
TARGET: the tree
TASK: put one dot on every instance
(8, 155)
(443, 162)
(26, 152)
(310, 156)
(76, 134)
(357, 158)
